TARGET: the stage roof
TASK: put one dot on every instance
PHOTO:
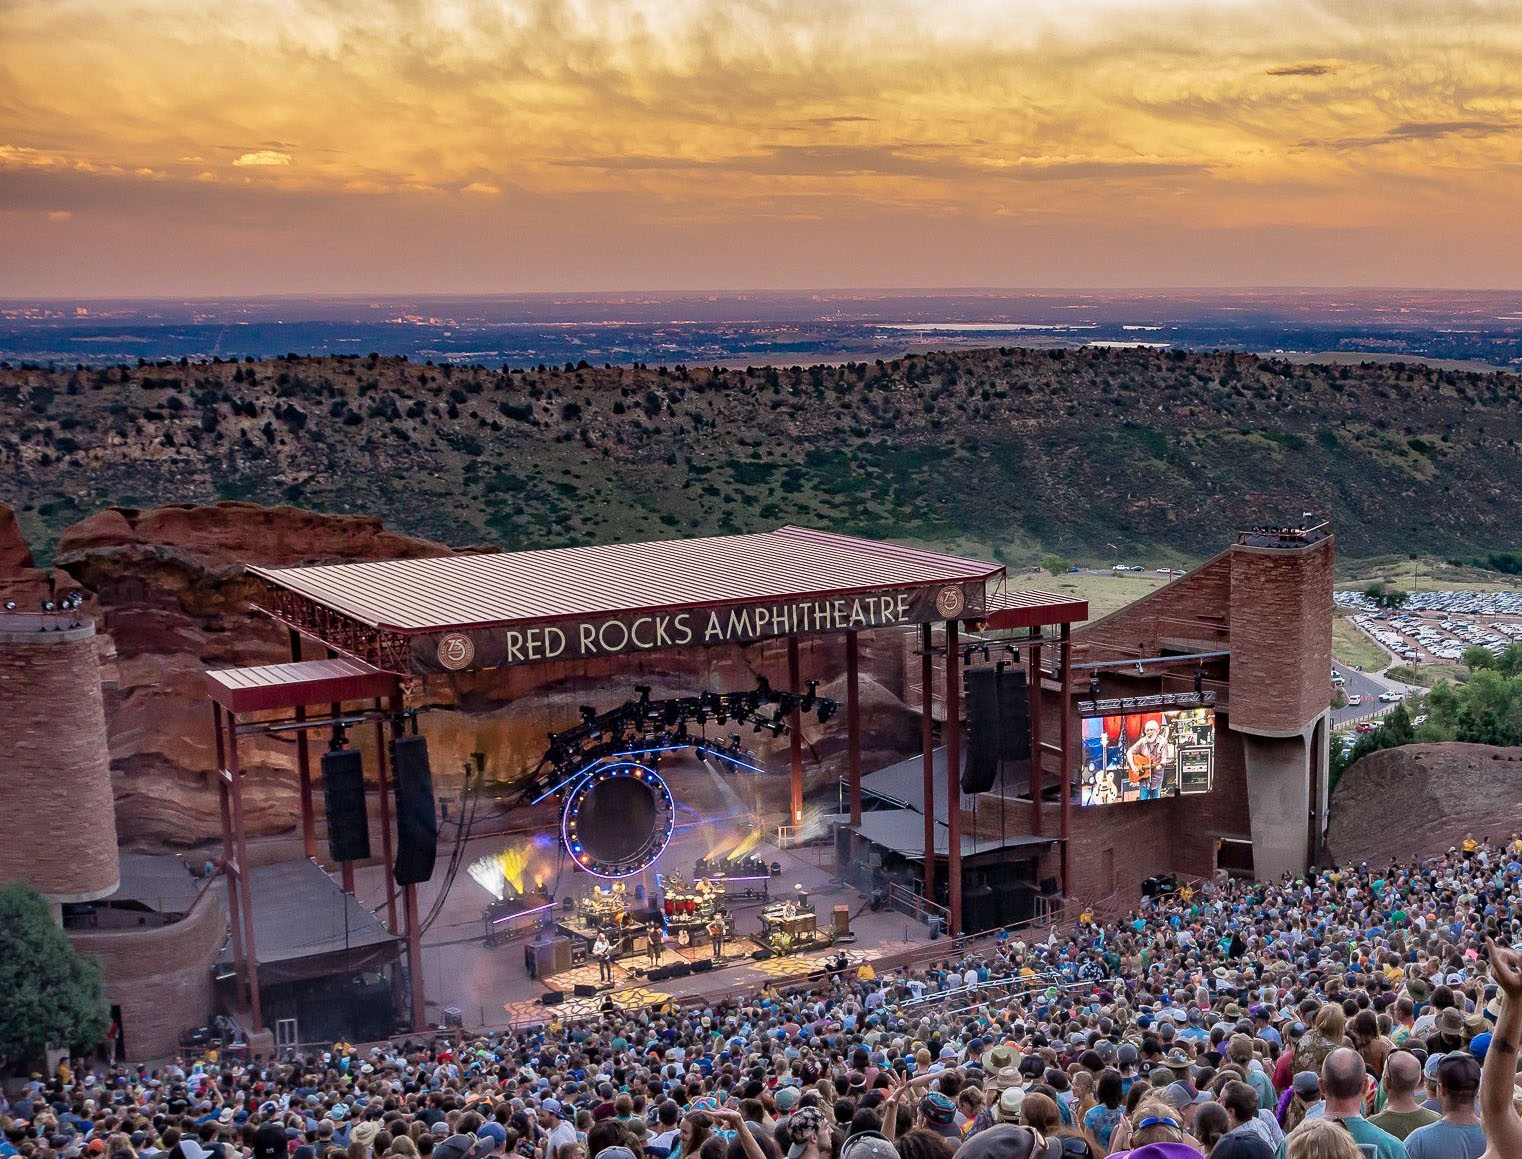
(1033, 609)
(476, 591)
(305, 926)
(273, 686)
(903, 831)
(161, 883)
(465, 612)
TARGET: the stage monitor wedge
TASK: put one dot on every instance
(417, 821)
(343, 798)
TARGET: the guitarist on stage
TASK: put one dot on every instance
(1148, 760)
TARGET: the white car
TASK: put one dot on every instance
(1391, 697)
(1355, 699)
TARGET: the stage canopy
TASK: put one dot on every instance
(459, 612)
(903, 831)
(305, 926)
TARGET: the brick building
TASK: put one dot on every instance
(1251, 628)
(1261, 611)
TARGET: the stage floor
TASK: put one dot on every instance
(491, 988)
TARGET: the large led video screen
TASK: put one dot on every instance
(1146, 756)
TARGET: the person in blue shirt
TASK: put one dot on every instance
(1458, 1134)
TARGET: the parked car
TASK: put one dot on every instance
(1422, 719)
(1365, 726)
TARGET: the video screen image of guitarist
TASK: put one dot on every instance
(1147, 756)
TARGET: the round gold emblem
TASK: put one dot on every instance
(949, 603)
(456, 651)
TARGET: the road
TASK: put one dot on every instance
(1364, 684)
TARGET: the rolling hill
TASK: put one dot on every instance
(1160, 453)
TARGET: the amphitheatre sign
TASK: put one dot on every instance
(744, 623)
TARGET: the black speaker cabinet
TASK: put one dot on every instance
(343, 797)
(417, 822)
(552, 998)
(584, 990)
(680, 969)
(702, 965)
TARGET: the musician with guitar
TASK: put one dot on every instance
(1148, 759)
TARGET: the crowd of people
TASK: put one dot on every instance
(1355, 1013)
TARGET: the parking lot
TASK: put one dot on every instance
(1439, 626)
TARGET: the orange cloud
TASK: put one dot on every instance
(1089, 115)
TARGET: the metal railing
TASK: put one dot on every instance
(901, 899)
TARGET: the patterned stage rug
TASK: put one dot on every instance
(797, 965)
(630, 970)
(631, 998)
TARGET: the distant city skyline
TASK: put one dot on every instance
(166, 147)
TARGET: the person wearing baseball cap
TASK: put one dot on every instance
(938, 1113)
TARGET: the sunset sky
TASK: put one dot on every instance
(191, 147)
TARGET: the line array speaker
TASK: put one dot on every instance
(417, 822)
(343, 799)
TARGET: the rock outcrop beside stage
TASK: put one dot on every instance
(171, 592)
(1407, 801)
(169, 589)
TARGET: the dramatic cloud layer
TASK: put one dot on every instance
(189, 146)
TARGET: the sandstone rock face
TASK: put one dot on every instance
(15, 555)
(168, 587)
(1408, 801)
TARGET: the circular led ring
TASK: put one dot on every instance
(576, 799)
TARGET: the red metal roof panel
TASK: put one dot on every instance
(268, 687)
(1033, 609)
(425, 595)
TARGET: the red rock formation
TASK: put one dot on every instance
(1409, 801)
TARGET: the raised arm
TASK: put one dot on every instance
(1503, 1130)
(733, 1118)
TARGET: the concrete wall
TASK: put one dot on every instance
(161, 977)
(1279, 788)
(58, 824)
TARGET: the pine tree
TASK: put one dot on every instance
(49, 994)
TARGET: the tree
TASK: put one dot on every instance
(49, 994)
(1383, 596)
(1054, 564)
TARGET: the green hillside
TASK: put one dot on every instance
(1159, 453)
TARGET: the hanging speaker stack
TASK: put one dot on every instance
(998, 724)
(343, 798)
(417, 822)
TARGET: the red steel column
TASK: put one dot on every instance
(953, 777)
(304, 768)
(795, 736)
(229, 861)
(414, 956)
(385, 818)
(346, 868)
(1033, 691)
(927, 741)
(1065, 742)
(409, 909)
(235, 777)
(853, 725)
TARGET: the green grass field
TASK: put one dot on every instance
(1353, 648)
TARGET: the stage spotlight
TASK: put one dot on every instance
(1199, 680)
(588, 713)
(644, 693)
(10, 605)
(49, 606)
(1141, 669)
(807, 703)
(826, 710)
